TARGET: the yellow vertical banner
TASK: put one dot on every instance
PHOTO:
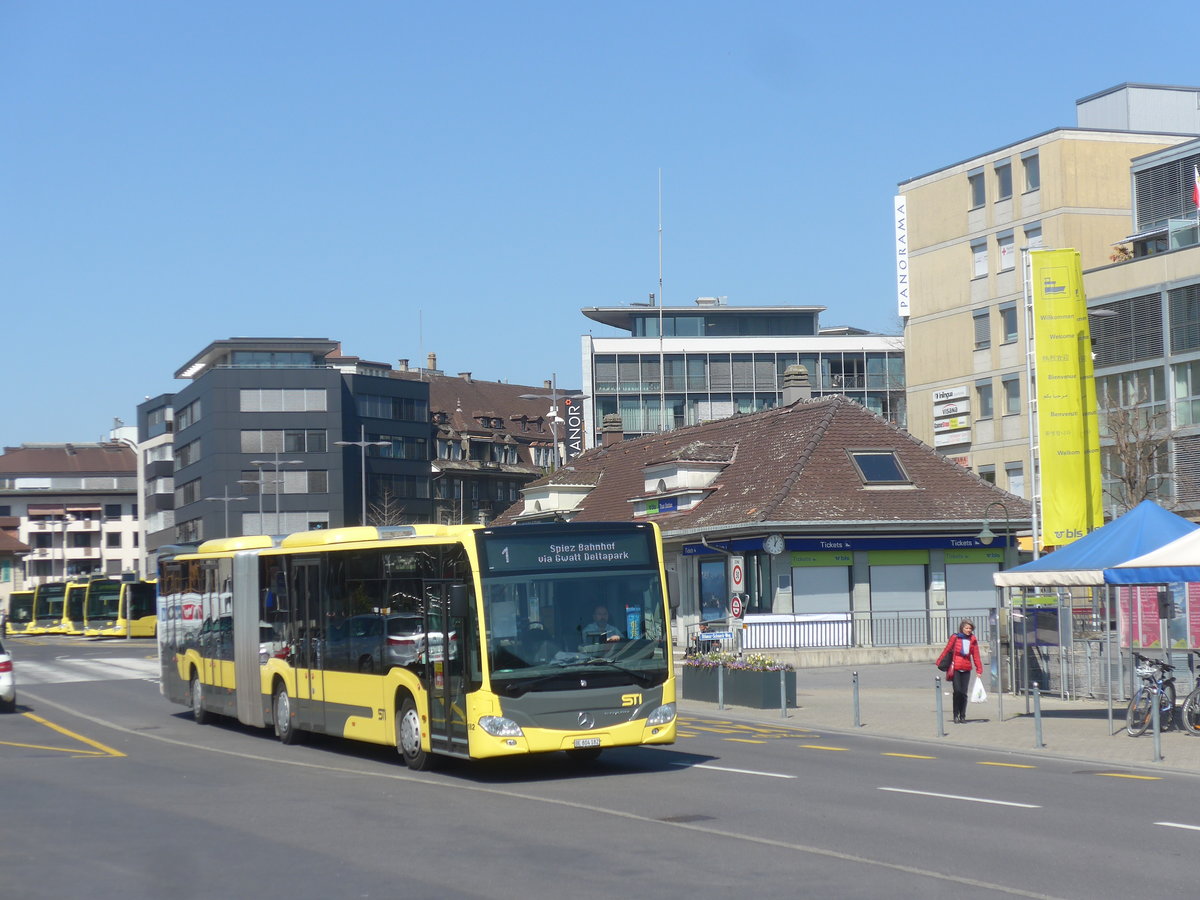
(1068, 429)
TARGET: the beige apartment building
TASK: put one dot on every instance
(961, 233)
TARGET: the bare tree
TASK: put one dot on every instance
(388, 511)
(1135, 441)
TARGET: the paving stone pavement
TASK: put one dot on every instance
(899, 700)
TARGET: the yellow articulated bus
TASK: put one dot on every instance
(121, 608)
(20, 612)
(455, 640)
(72, 609)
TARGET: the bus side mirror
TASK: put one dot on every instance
(460, 601)
(672, 590)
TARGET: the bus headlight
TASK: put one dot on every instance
(662, 715)
(498, 726)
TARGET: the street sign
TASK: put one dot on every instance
(737, 574)
(735, 606)
(715, 635)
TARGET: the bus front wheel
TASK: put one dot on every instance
(199, 713)
(285, 728)
(408, 737)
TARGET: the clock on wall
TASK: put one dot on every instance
(773, 544)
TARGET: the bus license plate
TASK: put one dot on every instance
(587, 742)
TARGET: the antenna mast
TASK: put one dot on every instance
(662, 372)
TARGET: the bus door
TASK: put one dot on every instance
(308, 620)
(446, 650)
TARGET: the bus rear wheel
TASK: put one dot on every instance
(199, 713)
(285, 727)
(408, 737)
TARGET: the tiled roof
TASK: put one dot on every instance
(57, 459)
(10, 544)
(788, 465)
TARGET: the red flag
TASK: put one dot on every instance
(1196, 187)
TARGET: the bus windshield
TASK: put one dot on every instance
(552, 624)
(102, 600)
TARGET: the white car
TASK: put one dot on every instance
(8, 683)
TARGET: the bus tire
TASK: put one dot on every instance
(408, 737)
(196, 691)
(281, 712)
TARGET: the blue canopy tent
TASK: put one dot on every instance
(1087, 561)
(1176, 561)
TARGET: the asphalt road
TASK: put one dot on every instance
(107, 790)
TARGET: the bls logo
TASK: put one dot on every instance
(1069, 533)
(631, 699)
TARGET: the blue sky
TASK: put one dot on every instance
(462, 178)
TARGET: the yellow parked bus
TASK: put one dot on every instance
(452, 640)
(47, 608)
(72, 615)
(20, 612)
(109, 602)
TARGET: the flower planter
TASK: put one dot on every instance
(757, 690)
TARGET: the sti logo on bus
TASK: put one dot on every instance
(631, 699)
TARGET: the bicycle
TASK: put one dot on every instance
(1189, 713)
(1158, 683)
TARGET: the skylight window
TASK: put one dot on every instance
(878, 467)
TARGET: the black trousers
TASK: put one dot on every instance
(961, 683)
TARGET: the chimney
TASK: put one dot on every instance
(612, 431)
(465, 376)
(796, 385)
(547, 384)
(431, 361)
(402, 365)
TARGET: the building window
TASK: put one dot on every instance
(1184, 306)
(405, 409)
(1008, 322)
(987, 473)
(189, 415)
(1032, 170)
(187, 454)
(1003, 180)
(982, 323)
(979, 260)
(1186, 378)
(1015, 473)
(112, 540)
(976, 187)
(878, 467)
(1006, 250)
(983, 399)
(187, 493)
(402, 447)
(1033, 237)
(1012, 394)
(282, 400)
(292, 440)
(190, 531)
(112, 510)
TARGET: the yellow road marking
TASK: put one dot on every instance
(1006, 765)
(745, 741)
(55, 749)
(108, 751)
(910, 756)
(1123, 775)
(821, 747)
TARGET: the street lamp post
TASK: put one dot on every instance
(226, 499)
(553, 414)
(275, 464)
(363, 444)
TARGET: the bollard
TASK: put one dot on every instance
(1156, 723)
(782, 694)
(857, 711)
(720, 685)
(1037, 716)
(937, 693)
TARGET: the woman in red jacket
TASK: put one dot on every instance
(963, 648)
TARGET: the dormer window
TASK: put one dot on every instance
(878, 467)
(662, 486)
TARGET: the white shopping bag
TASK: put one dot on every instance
(978, 694)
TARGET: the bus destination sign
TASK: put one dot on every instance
(558, 551)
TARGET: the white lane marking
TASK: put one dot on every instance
(957, 797)
(1178, 825)
(684, 765)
